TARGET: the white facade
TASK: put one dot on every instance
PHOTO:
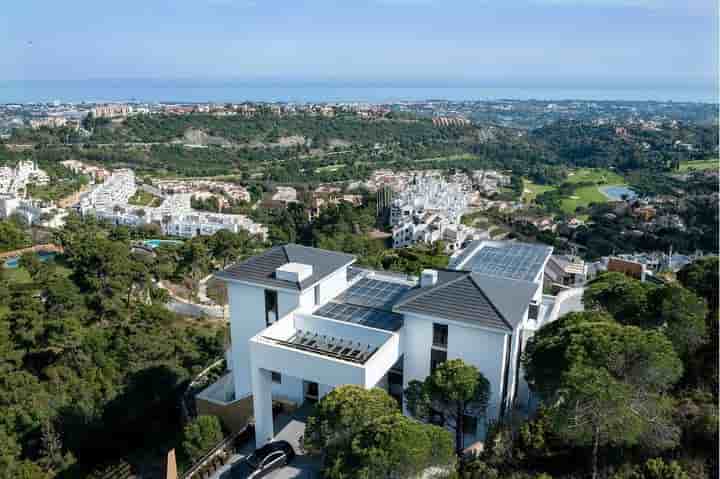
(299, 350)
(175, 216)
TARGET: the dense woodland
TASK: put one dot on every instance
(628, 387)
(250, 146)
(93, 365)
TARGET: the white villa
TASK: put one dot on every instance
(304, 321)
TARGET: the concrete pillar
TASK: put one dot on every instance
(262, 406)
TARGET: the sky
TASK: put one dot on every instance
(600, 43)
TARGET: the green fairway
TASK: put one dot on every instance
(531, 190)
(583, 197)
(700, 165)
(600, 176)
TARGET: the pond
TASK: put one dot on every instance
(616, 193)
(15, 262)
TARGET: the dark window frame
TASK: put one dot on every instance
(271, 306)
(440, 335)
(434, 362)
(533, 311)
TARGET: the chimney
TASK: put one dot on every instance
(428, 278)
(294, 272)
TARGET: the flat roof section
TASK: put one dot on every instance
(519, 261)
(338, 348)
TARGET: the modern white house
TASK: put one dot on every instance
(304, 321)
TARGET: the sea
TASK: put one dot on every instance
(184, 91)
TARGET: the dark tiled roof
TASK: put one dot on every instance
(470, 297)
(260, 269)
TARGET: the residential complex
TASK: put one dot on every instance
(14, 198)
(429, 209)
(304, 321)
(110, 201)
(14, 181)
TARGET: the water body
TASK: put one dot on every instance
(616, 193)
(154, 243)
(15, 262)
(228, 91)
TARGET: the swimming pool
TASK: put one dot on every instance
(154, 243)
(15, 262)
(616, 193)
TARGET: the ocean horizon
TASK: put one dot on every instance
(183, 91)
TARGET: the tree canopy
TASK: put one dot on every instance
(605, 383)
(454, 390)
(361, 433)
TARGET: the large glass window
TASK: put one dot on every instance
(437, 357)
(271, 306)
(440, 335)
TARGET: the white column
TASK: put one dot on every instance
(262, 406)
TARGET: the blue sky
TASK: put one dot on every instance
(613, 43)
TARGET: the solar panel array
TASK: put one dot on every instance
(362, 315)
(519, 261)
(374, 293)
(327, 345)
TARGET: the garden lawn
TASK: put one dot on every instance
(143, 198)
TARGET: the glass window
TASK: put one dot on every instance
(276, 377)
(437, 357)
(469, 424)
(271, 306)
(440, 335)
(533, 311)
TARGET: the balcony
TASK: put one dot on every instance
(326, 351)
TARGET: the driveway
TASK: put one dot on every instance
(290, 428)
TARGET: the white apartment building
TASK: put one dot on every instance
(116, 190)
(175, 216)
(13, 181)
(428, 210)
(304, 321)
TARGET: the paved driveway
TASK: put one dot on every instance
(290, 428)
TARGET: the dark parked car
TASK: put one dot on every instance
(270, 457)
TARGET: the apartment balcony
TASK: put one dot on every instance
(326, 351)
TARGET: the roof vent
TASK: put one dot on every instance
(428, 277)
(294, 272)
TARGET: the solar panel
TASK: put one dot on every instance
(374, 293)
(362, 315)
(327, 345)
(518, 261)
